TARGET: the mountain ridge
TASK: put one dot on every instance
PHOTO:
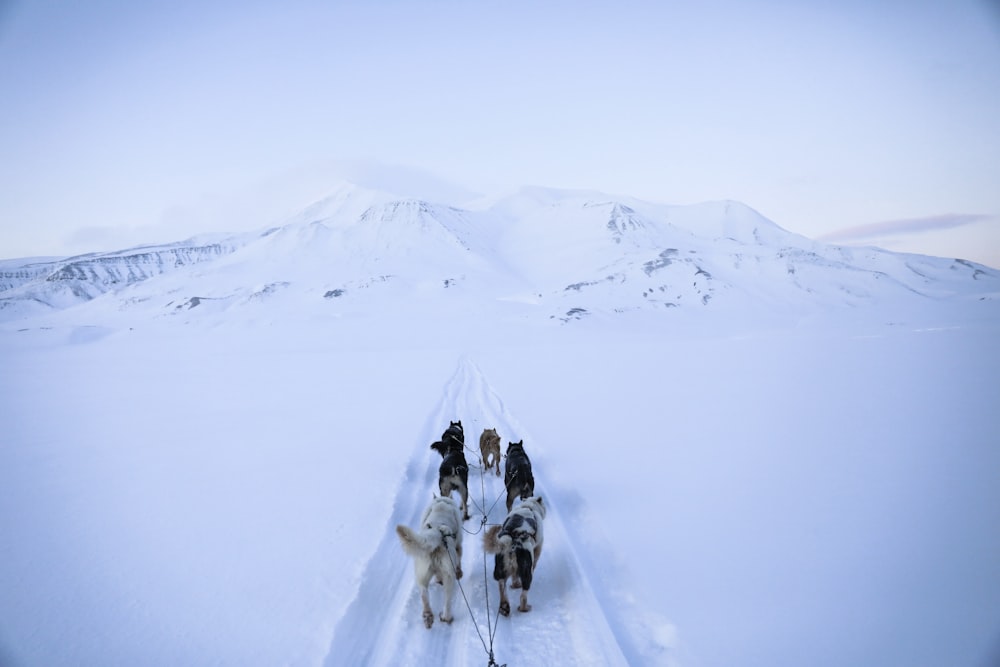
(578, 251)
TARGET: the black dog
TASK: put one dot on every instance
(454, 471)
(517, 476)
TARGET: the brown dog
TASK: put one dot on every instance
(489, 446)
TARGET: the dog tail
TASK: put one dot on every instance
(415, 543)
(494, 542)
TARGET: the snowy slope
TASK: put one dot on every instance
(34, 287)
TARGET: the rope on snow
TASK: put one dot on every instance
(491, 629)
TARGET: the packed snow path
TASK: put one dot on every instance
(567, 624)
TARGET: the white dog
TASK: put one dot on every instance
(518, 546)
(436, 549)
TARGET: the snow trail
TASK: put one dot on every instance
(567, 623)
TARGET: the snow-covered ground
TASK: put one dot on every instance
(219, 484)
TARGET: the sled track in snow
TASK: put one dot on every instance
(567, 624)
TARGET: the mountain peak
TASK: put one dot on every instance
(734, 220)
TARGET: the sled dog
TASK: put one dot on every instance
(518, 546)
(454, 471)
(517, 476)
(436, 548)
(489, 449)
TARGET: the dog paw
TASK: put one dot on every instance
(447, 620)
(524, 606)
(428, 619)
(505, 608)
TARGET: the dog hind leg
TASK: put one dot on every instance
(500, 574)
(464, 490)
(449, 590)
(524, 606)
(504, 603)
(523, 568)
(454, 547)
(428, 614)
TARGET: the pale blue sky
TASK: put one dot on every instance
(125, 122)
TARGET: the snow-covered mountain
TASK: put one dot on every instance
(41, 285)
(572, 253)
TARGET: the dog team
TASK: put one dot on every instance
(436, 545)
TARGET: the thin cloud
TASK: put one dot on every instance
(904, 227)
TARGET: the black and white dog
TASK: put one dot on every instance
(454, 471)
(518, 546)
(436, 548)
(517, 476)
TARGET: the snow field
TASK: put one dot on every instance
(227, 495)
